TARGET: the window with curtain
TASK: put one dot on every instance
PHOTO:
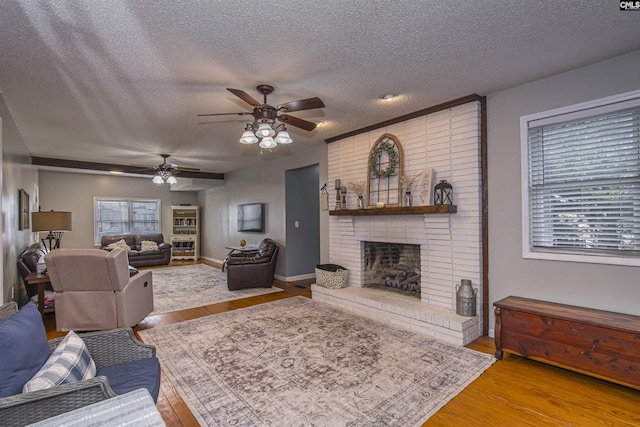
(581, 191)
(125, 216)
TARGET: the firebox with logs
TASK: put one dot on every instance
(392, 266)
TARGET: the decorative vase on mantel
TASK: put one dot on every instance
(360, 202)
(407, 201)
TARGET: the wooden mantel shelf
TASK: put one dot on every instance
(397, 210)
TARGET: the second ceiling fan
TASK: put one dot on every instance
(265, 116)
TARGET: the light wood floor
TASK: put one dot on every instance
(512, 392)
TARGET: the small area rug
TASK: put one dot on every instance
(188, 286)
(299, 362)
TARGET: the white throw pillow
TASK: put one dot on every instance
(119, 244)
(148, 245)
(69, 362)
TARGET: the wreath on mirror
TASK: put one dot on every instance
(390, 170)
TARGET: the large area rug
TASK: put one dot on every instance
(179, 288)
(298, 362)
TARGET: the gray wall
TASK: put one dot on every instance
(608, 287)
(264, 183)
(17, 172)
(74, 192)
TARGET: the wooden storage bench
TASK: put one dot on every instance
(599, 343)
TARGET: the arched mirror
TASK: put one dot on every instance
(385, 167)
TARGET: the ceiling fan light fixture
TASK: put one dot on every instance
(266, 117)
(172, 180)
(268, 142)
(283, 137)
(265, 130)
(248, 137)
(157, 180)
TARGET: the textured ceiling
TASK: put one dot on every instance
(122, 81)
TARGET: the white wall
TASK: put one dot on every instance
(613, 288)
(74, 192)
(264, 183)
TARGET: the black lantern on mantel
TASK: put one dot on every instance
(443, 193)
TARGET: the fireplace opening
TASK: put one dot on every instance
(392, 266)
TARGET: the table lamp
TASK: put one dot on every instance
(56, 223)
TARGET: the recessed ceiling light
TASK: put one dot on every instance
(387, 97)
(320, 123)
(116, 172)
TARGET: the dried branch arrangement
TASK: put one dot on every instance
(407, 181)
(357, 187)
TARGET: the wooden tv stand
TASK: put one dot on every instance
(599, 343)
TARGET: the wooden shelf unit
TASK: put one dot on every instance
(397, 210)
(185, 233)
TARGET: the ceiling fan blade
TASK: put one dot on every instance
(299, 123)
(303, 104)
(245, 97)
(225, 114)
(183, 169)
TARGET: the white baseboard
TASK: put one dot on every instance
(294, 278)
(206, 258)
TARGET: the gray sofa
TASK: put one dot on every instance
(138, 257)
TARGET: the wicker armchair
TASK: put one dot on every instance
(107, 348)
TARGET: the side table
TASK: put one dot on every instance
(41, 280)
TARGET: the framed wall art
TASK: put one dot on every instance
(24, 210)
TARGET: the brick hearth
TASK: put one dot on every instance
(401, 310)
(447, 141)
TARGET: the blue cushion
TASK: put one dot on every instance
(141, 373)
(23, 349)
(69, 362)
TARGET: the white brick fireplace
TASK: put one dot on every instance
(447, 141)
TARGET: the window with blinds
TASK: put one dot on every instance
(582, 188)
(125, 216)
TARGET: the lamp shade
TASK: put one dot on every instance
(283, 137)
(50, 221)
(267, 142)
(265, 130)
(248, 138)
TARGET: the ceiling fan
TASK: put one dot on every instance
(164, 172)
(265, 116)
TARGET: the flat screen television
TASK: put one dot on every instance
(251, 217)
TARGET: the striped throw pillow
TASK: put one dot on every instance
(69, 362)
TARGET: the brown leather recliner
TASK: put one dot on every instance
(254, 269)
(28, 263)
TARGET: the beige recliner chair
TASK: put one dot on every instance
(93, 290)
